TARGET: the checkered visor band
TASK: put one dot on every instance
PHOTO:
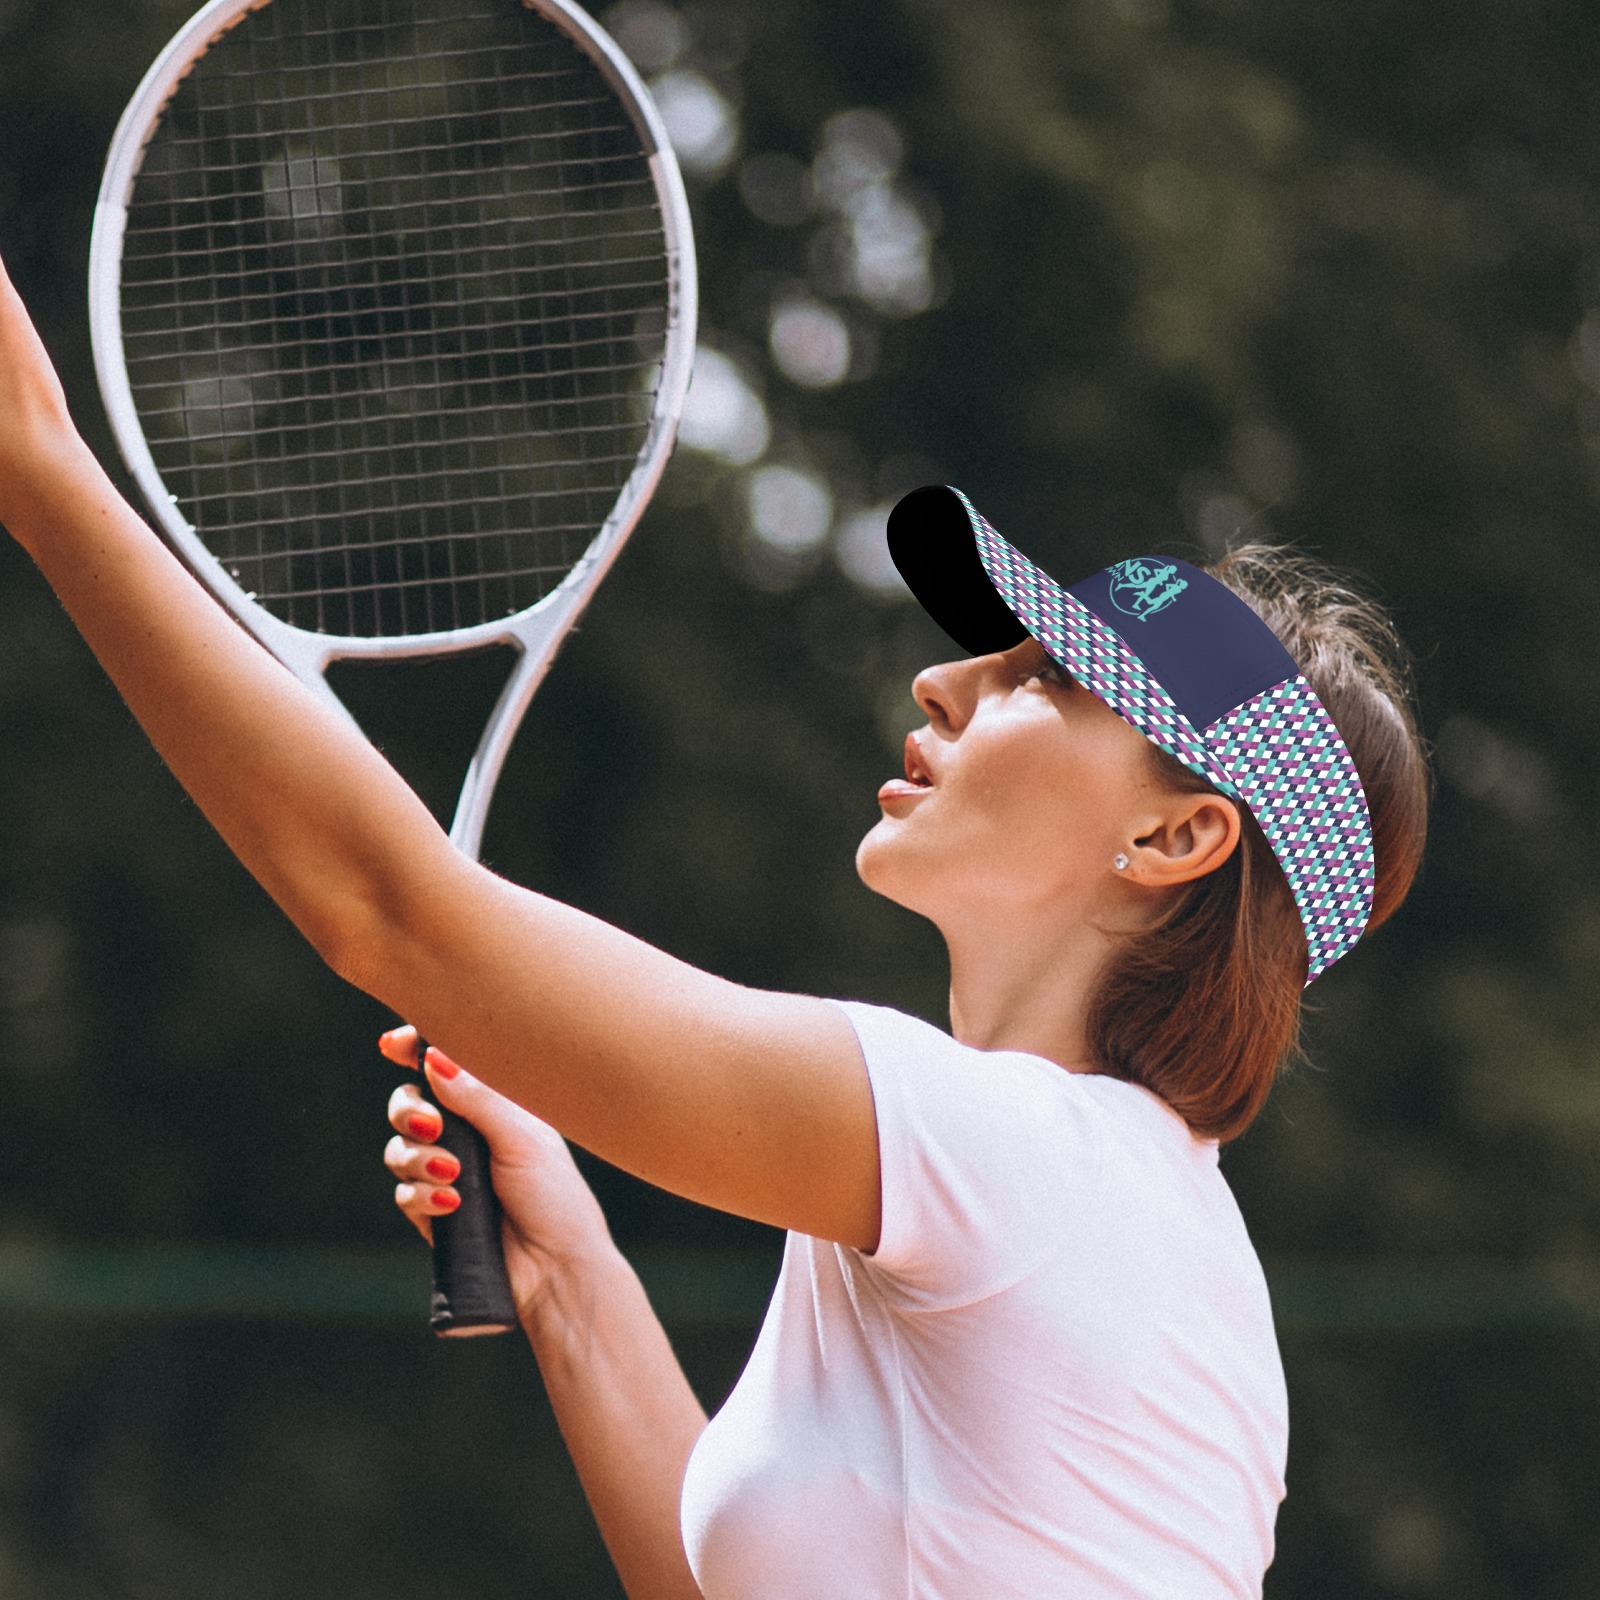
(1275, 749)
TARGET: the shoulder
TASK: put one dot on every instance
(913, 1061)
(986, 1157)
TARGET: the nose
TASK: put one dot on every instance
(948, 693)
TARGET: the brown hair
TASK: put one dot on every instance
(1204, 1007)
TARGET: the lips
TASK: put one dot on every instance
(917, 781)
(916, 769)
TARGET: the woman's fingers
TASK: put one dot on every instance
(426, 1170)
(549, 1209)
(505, 1124)
(399, 1045)
(419, 1200)
(411, 1115)
(420, 1163)
(422, 1202)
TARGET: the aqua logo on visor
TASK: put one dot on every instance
(1143, 586)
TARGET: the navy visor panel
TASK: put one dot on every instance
(1198, 639)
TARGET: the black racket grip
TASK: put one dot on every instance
(471, 1292)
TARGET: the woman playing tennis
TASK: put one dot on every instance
(1021, 1345)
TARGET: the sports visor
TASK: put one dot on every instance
(1188, 663)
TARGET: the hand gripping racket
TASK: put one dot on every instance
(393, 309)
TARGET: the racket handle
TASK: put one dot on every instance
(471, 1292)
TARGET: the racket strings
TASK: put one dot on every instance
(394, 302)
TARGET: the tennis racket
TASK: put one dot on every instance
(393, 310)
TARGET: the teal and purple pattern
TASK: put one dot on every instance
(1277, 750)
(1293, 771)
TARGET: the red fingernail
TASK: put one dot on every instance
(424, 1127)
(443, 1168)
(399, 1045)
(446, 1199)
(441, 1064)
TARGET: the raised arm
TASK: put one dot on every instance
(751, 1102)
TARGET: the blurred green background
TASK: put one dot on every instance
(1137, 274)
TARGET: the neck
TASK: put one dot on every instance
(1021, 982)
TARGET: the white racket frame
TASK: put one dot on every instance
(536, 633)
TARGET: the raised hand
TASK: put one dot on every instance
(554, 1231)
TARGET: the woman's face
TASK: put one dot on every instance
(1018, 793)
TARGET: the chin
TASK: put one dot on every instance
(884, 865)
(868, 853)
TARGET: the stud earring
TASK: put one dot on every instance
(1120, 861)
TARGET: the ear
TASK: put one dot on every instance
(1192, 834)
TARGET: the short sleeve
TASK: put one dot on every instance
(986, 1157)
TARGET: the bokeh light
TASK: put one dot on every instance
(651, 34)
(1586, 350)
(790, 509)
(701, 122)
(1226, 520)
(878, 245)
(723, 416)
(810, 343)
(302, 190)
(861, 548)
(221, 392)
(859, 149)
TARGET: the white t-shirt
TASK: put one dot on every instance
(1055, 1377)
